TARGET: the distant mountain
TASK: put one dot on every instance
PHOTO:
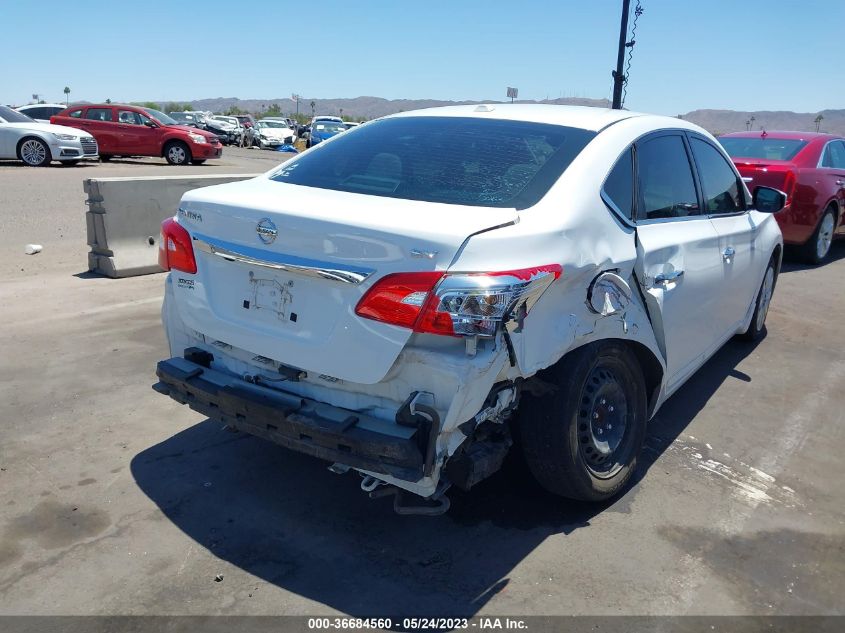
(360, 107)
(716, 121)
(722, 121)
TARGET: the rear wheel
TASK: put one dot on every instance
(177, 153)
(582, 439)
(817, 248)
(34, 152)
(757, 329)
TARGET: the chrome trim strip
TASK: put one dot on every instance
(278, 261)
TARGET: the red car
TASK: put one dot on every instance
(125, 130)
(810, 169)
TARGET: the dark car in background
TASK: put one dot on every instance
(810, 169)
(126, 130)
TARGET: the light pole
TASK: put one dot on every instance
(618, 76)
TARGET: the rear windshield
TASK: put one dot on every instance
(468, 161)
(766, 148)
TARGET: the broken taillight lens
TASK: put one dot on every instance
(175, 250)
(461, 304)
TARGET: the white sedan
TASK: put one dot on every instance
(37, 144)
(403, 300)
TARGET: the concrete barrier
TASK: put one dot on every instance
(124, 216)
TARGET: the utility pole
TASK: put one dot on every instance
(618, 75)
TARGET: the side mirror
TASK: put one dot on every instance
(149, 123)
(768, 200)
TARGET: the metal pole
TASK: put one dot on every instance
(618, 76)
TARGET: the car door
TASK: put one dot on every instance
(724, 202)
(136, 136)
(832, 172)
(99, 122)
(678, 264)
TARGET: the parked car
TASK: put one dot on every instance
(246, 120)
(225, 131)
(188, 118)
(272, 133)
(322, 130)
(125, 130)
(810, 168)
(389, 300)
(41, 112)
(235, 123)
(37, 144)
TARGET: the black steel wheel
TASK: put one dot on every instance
(582, 438)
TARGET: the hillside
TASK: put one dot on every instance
(717, 121)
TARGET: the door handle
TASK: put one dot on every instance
(728, 253)
(664, 278)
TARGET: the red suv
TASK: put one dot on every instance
(125, 130)
(810, 169)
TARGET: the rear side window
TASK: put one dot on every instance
(468, 161)
(834, 155)
(765, 148)
(37, 113)
(76, 114)
(722, 193)
(667, 189)
(98, 114)
(619, 186)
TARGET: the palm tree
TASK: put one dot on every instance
(747, 125)
(341, 113)
(67, 95)
(752, 119)
(818, 122)
(313, 105)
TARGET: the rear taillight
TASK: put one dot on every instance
(789, 183)
(461, 304)
(175, 250)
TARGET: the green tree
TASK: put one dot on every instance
(235, 110)
(146, 104)
(67, 95)
(108, 100)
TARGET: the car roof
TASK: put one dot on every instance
(42, 105)
(584, 117)
(781, 134)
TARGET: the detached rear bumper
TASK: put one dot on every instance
(300, 424)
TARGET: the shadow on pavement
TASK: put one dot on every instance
(792, 263)
(284, 518)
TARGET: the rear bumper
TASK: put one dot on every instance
(300, 424)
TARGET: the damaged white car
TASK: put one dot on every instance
(404, 300)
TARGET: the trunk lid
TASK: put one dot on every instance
(291, 296)
(759, 172)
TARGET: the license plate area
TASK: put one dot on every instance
(272, 296)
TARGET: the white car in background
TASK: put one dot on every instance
(404, 299)
(270, 133)
(42, 112)
(37, 144)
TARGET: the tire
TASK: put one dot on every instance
(68, 163)
(177, 153)
(34, 152)
(582, 439)
(817, 248)
(198, 162)
(757, 329)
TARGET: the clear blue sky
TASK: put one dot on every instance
(740, 54)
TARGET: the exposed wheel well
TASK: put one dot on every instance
(650, 365)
